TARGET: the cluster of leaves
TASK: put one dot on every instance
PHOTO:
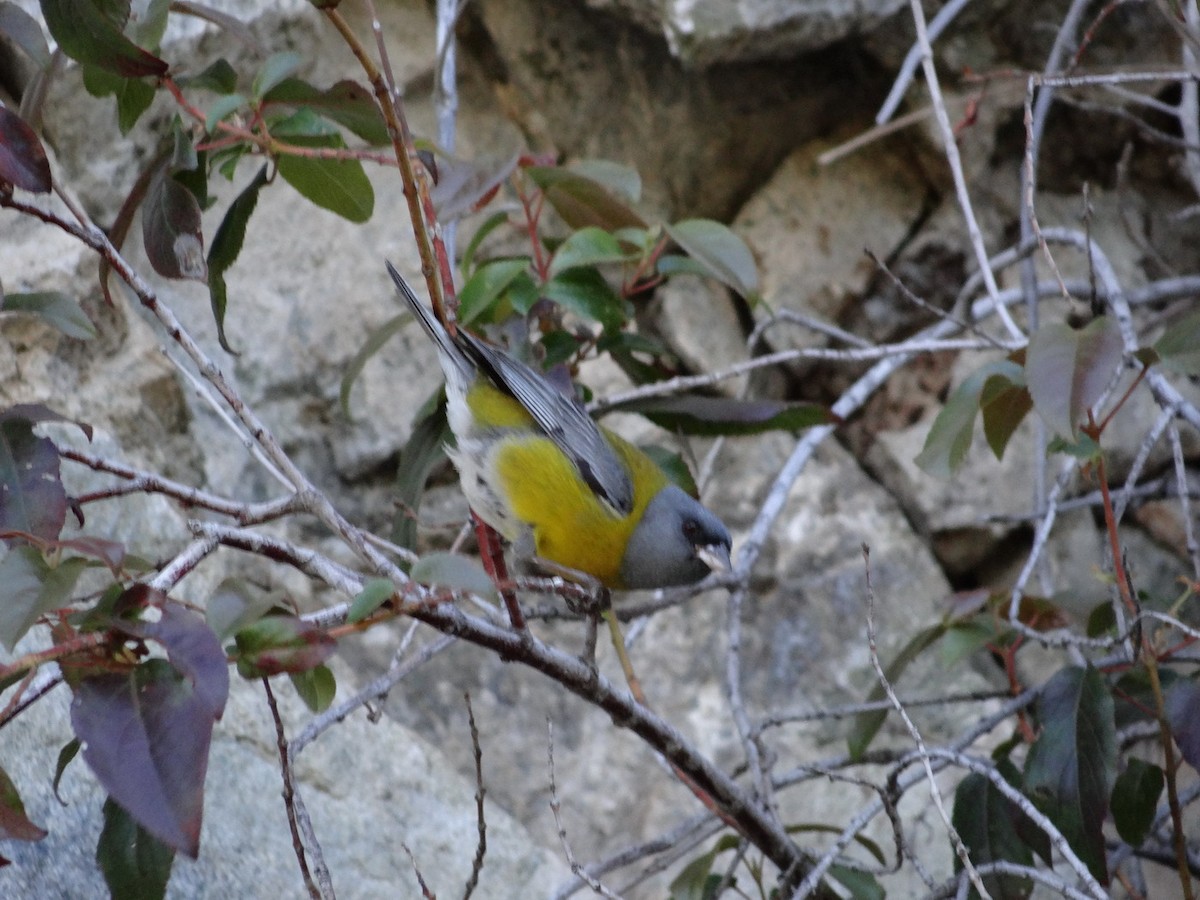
(1072, 770)
(149, 675)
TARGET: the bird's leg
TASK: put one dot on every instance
(492, 554)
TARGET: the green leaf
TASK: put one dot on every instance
(673, 264)
(867, 725)
(222, 108)
(1067, 370)
(133, 95)
(374, 594)
(585, 293)
(277, 67)
(588, 247)
(720, 251)
(986, 821)
(68, 753)
(622, 181)
(1135, 800)
(54, 308)
(29, 588)
(949, 437)
(674, 466)
(220, 78)
(1004, 404)
(426, 448)
(1084, 447)
(855, 884)
(338, 185)
(376, 338)
(233, 606)
(316, 687)
(694, 880)
(1179, 348)
(454, 572)
(348, 103)
(280, 643)
(583, 201)
(227, 245)
(86, 31)
(710, 416)
(1071, 766)
(136, 865)
(485, 286)
(490, 224)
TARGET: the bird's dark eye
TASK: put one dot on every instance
(691, 529)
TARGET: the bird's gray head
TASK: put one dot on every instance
(677, 542)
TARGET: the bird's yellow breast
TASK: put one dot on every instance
(570, 525)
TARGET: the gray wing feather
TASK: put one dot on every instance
(563, 420)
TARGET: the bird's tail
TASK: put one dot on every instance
(449, 352)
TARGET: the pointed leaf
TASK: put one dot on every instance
(281, 643)
(133, 95)
(582, 201)
(191, 646)
(316, 687)
(86, 32)
(723, 254)
(426, 448)
(1071, 766)
(374, 594)
(1179, 348)
(1004, 404)
(55, 309)
(585, 293)
(135, 864)
(377, 337)
(220, 78)
(348, 103)
(226, 245)
(23, 161)
(710, 416)
(171, 229)
(674, 466)
(949, 437)
(32, 497)
(29, 588)
(222, 108)
(277, 67)
(1183, 713)
(68, 752)
(985, 820)
(24, 31)
(338, 185)
(867, 725)
(588, 247)
(1135, 800)
(466, 185)
(494, 221)
(622, 181)
(14, 824)
(146, 736)
(486, 285)
(233, 606)
(454, 572)
(1067, 370)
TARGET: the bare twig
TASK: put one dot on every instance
(480, 790)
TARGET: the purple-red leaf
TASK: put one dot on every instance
(146, 736)
(14, 825)
(582, 201)
(1072, 765)
(192, 648)
(171, 228)
(32, 497)
(694, 414)
(23, 160)
(1067, 370)
(1183, 712)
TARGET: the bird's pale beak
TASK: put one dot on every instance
(715, 556)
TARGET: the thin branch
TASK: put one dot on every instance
(480, 791)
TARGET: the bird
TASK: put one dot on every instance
(566, 493)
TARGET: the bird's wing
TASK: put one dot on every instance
(563, 420)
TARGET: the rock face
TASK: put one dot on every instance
(727, 110)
